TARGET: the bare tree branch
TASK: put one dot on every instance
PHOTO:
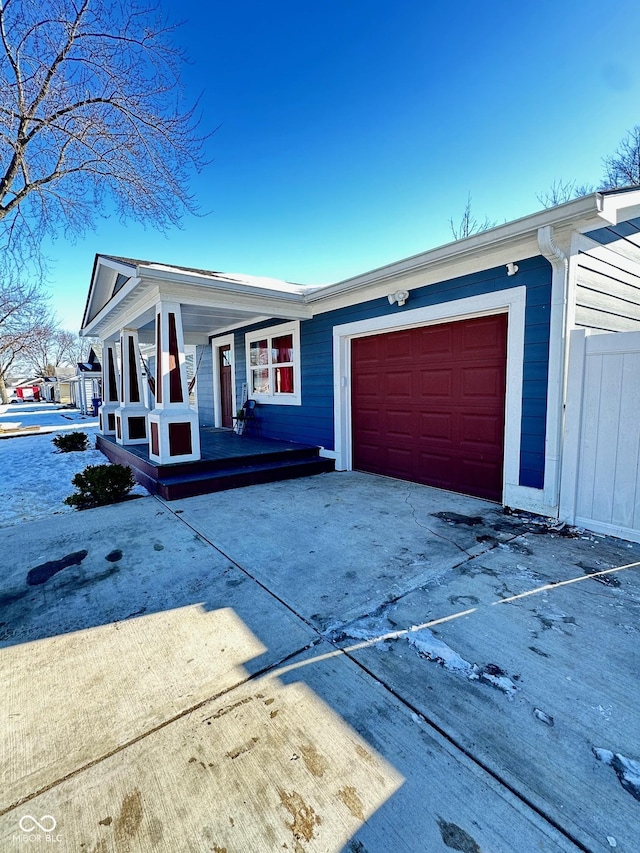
(561, 191)
(24, 312)
(622, 168)
(90, 93)
(468, 224)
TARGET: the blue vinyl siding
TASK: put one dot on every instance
(312, 422)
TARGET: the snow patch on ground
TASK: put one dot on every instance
(434, 649)
(37, 418)
(374, 631)
(35, 478)
(626, 769)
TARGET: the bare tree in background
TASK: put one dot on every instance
(561, 191)
(469, 225)
(77, 348)
(23, 312)
(90, 120)
(622, 168)
(51, 348)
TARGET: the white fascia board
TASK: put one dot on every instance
(131, 314)
(96, 327)
(515, 240)
(442, 270)
(217, 285)
(118, 266)
(100, 263)
(618, 207)
(253, 301)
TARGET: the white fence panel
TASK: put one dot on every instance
(601, 461)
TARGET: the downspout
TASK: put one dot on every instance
(556, 379)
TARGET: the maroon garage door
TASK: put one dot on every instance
(428, 404)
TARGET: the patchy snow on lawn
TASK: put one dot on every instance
(42, 417)
(35, 478)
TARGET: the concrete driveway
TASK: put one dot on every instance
(341, 663)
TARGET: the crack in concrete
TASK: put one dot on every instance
(320, 637)
(163, 725)
(429, 529)
(337, 650)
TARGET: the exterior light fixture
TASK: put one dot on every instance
(512, 269)
(400, 296)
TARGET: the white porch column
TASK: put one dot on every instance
(110, 389)
(174, 435)
(81, 402)
(131, 414)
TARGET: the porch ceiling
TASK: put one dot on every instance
(199, 322)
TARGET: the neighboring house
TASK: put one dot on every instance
(87, 391)
(47, 386)
(447, 368)
(59, 388)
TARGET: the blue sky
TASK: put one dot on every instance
(351, 132)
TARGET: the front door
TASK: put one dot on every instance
(226, 401)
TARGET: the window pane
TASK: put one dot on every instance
(284, 380)
(226, 357)
(282, 349)
(259, 352)
(260, 381)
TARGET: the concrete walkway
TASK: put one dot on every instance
(341, 663)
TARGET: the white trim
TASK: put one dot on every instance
(119, 266)
(573, 425)
(607, 529)
(556, 370)
(513, 301)
(528, 499)
(216, 344)
(327, 454)
(240, 324)
(291, 328)
(616, 207)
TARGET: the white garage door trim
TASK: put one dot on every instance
(513, 301)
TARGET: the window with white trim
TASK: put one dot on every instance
(273, 364)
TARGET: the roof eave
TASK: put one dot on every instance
(576, 211)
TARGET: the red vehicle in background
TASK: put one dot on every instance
(27, 394)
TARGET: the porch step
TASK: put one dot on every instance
(228, 462)
(202, 483)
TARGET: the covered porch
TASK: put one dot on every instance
(227, 461)
(161, 413)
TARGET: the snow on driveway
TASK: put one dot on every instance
(34, 477)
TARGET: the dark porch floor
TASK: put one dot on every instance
(228, 461)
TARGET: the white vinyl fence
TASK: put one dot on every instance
(601, 460)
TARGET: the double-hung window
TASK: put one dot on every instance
(273, 364)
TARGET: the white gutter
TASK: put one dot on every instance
(570, 213)
(556, 379)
